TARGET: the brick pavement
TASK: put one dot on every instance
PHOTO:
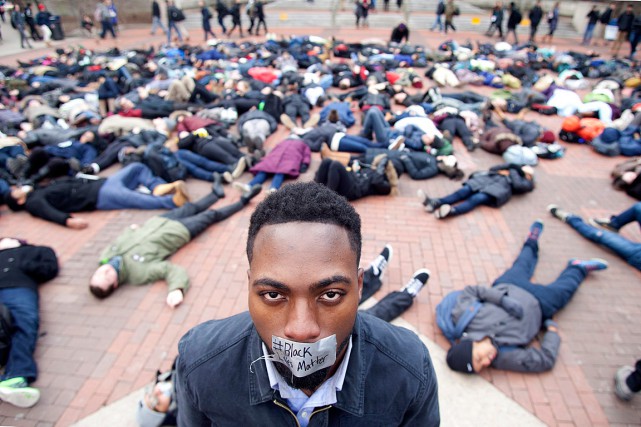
(91, 353)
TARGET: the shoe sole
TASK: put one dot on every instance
(595, 224)
(24, 397)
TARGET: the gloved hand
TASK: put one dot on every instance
(512, 306)
(202, 133)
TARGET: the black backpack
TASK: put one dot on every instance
(6, 328)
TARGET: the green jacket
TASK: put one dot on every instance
(144, 250)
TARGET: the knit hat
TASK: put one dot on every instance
(547, 137)
(610, 135)
(459, 357)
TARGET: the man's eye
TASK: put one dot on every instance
(332, 296)
(272, 296)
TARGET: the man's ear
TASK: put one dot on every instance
(361, 275)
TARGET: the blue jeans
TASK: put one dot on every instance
(200, 166)
(10, 152)
(172, 25)
(155, 23)
(261, 177)
(629, 251)
(358, 144)
(552, 297)
(469, 198)
(119, 190)
(374, 122)
(23, 306)
(438, 23)
(587, 36)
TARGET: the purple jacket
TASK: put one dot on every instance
(286, 158)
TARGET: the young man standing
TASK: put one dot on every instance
(303, 354)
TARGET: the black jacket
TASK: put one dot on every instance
(27, 266)
(536, 14)
(625, 22)
(514, 19)
(155, 9)
(55, 201)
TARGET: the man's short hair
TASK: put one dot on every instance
(306, 202)
(13, 203)
(102, 293)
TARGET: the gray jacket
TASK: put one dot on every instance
(509, 334)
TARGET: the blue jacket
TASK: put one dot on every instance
(390, 379)
(345, 114)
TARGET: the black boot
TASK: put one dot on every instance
(217, 186)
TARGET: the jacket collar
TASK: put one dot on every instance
(350, 399)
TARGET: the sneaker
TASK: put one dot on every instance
(241, 186)
(396, 143)
(272, 190)
(417, 282)
(603, 223)
(227, 177)
(430, 204)
(17, 392)
(621, 389)
(312, 121)
(594, 264)
(558, 212)
(443, 211)
(253, 192)
(287, 121)
(382, 261)
(535, 230)
(240, 167)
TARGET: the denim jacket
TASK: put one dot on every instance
(390, 379)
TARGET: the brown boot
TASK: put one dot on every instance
(180, 196)
(327, 153)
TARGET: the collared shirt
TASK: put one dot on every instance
(299, 402)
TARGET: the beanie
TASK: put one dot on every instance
(459, 357)
(610, 135)
(548, 137)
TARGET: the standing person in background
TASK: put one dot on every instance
(221, 11)
(362, 11)
(399, 4)
(605, 19)
(553, 21)
(18, 22)
(635, 37)
(206, 18)
(180, 23)
(451, 10)
(86, 23)
(513, 21)
(400, 33)
(260, 15)
(235, 18)
(103, 15)
(535, 16)
(42, 20)
(593, 18)
(496, 21)
(155, 18)
(440, 10)
(173, 13)
(31, 22)
(113, 14)
(625, 26)
(251, 14)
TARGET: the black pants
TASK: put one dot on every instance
(335, 177)
(457, 126)
(197, 216)
(391, 306)
(221, 150)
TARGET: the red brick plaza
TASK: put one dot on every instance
(92, 353)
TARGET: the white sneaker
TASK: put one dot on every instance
(17, 392)
(241, 186)
(381, 262)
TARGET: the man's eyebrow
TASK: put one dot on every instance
(324, 283)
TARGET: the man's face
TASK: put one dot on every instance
(104, 277)
(483, 353)
(304, 285)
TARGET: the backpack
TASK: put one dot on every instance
(517, 16)
(176, 14)
(6, 327)
(164, 163)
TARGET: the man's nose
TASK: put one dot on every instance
(302, 322)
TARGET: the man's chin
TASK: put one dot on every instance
(309, 382)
